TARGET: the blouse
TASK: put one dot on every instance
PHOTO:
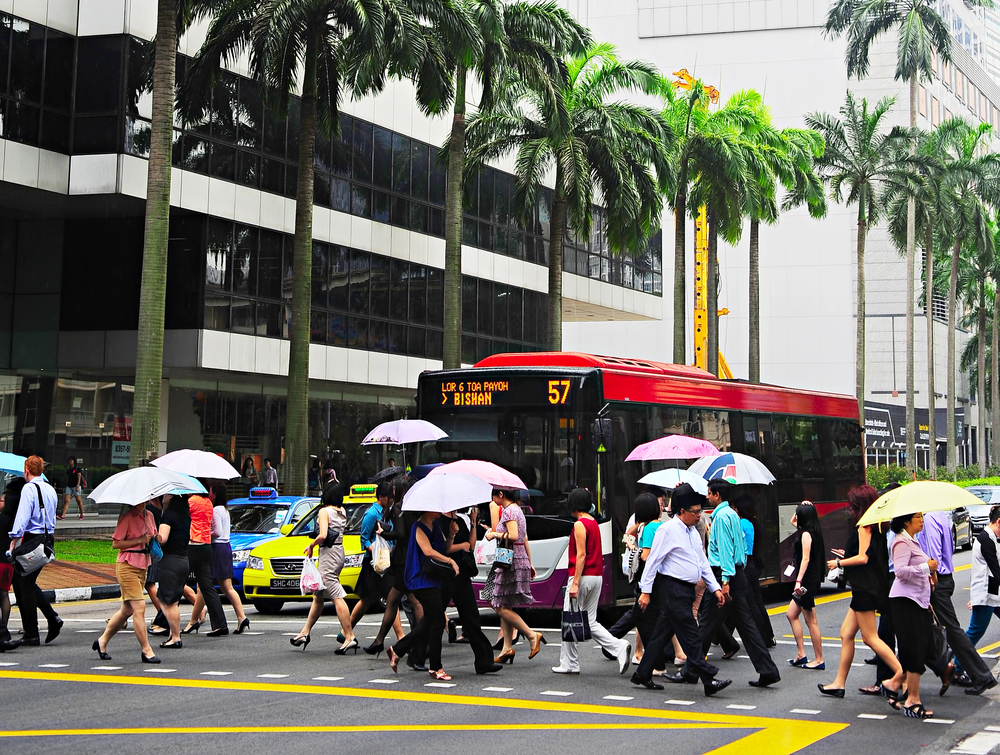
(201, 519)
(129, 527)
(912, 571)
(414, 575)
(221, 524)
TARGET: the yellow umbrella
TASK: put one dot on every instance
(926, 495)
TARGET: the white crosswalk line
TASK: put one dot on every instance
(216, 673)
(805, 711)
(327, 678)
(678, 702)
(383, 681)
(272, 676)
(8, 663)
(440, 684)
(556, 693)
(872, 716)
(105, 668)
(619, 698)
(742, 707)
(498, 689)
(160, 670)
(53, 665)
(980, 743)
(945, 721)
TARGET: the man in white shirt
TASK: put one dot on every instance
(675, 563)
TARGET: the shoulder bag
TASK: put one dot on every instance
(938, 645)
(575, 623)
(437, 569)
(35, 550)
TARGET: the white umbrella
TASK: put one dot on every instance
(402, 431)
(197, 464)
(447, 492)
(737, 468)
(671, 478)
(135, 486)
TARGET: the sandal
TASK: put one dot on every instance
(441, 675)
(393, 660)
(917, 710)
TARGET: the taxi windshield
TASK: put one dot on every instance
(257, 518)
(355, 513)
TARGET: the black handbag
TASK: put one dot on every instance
(938, 645)
(437, 569)
(467, 566)
(575, 624)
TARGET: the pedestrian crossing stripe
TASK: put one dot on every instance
(776, 736)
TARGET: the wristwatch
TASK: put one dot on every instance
(838, 563)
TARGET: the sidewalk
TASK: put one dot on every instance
(63, 581)
(92, 525)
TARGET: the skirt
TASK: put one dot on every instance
(6, 576)
(371, 586)
(512, 587)
(913, 633)
(222, 561)
(331, 561)
(173, 574)
(131, 579)
(862, 602)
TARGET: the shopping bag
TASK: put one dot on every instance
(575, 624)
(485, 551)
(381, 555)
(311, 581)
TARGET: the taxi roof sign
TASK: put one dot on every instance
(259, 493)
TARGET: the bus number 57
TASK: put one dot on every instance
(558, 391)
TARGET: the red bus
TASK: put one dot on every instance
(536, 414)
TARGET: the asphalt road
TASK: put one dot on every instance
(239, 693)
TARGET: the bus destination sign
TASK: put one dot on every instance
(516, 391)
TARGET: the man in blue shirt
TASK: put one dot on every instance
(936, 541)
(371, 587)
(727, 555)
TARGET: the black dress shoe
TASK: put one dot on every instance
(492, 669)
(31, 641)
(680, 678)
(962, 680)
(714, 685)
(647, 683)
(871, 661)
(765, 680)
(220, 632)
(417, 665)
(54, 628)
(830, 692)
(9, 645)
(978, 689)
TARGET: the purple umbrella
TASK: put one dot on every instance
(673, 447)
(402, 431)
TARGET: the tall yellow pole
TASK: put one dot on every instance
(701, 289)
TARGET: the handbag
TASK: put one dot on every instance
(466, 564)
(155, 551)
(504, 557)
(486, 594)
(938, 645)
(575, 623)
(437, 569)
(32, 553)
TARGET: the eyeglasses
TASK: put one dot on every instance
(696, 512)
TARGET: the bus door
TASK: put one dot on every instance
(758, 441)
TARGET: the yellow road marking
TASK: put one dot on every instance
(343, 729)
(988, 648)
(778, 736)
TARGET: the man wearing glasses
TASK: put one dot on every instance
(675, 564)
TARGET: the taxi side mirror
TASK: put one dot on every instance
(286, 528)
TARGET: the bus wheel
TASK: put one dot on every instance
(268, 606)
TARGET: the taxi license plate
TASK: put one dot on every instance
(285, 583)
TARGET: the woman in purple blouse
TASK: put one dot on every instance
(910, 599)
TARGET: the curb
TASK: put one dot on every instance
(73, 594)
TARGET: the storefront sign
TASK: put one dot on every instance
(120, 450)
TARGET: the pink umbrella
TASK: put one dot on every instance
(496, 476)
(673, 447)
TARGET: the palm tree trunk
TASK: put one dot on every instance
(297, 422)
(558, 227)
(952, 440)
(680, 267)
(452, 350)
(859, 368)
(929, 310)
(712, 292)
(911, 253)
(754, 308)
(981, 385)
(153, 289)
(995, 376)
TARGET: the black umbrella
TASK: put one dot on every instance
(387, 473)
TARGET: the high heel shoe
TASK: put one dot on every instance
(352, 645)
(244, 625)
(151, 659)
(536, 645)
(300, 642)
(375, 649)
(498, 645)
(393, 660)
(158, 632)
(452, 632)
(220, 632)
(193, 627)
(505, 657)
(101, 654)
(172, 645)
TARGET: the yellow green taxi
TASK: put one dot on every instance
(271, 577)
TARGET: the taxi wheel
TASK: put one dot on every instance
(268, 606)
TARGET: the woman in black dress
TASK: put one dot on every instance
(173, 535)
(809, 572)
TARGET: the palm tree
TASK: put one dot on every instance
(862, 164)
(618, 148)
(972, 182)
(921, 33)
(329, 46)
(172, 17)
(977, 290)
(522, 40)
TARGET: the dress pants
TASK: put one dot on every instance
(587, 599)
(757, 606)
(200, 560)
(671, 605)
(29, 600)
(459, 591)
(968, 659)
(711, 617)
(428, 630)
